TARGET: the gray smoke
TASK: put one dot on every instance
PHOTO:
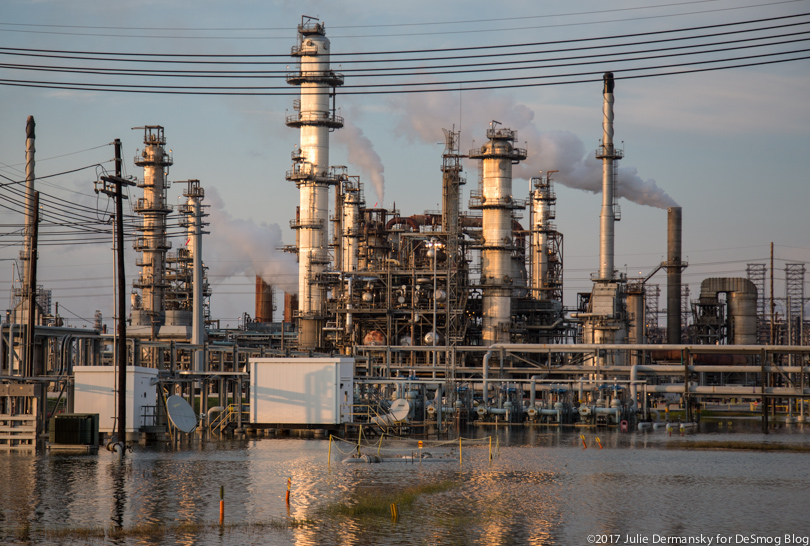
(242, 247)
(363, 157)
(547, 150)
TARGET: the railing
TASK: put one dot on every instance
(230, 415)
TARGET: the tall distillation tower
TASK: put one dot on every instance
(546, 242)
(148, 310)
(315, 119)
(495, 199)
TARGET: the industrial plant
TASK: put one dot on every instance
(422, 322)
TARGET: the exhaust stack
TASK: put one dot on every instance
(608, 154)
(674, 267)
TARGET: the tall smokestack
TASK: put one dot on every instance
(674, 267)
(495, 199)
(30, 152)
(315, 118)
(608, 154)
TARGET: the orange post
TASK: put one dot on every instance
(599, 442)
(289, 484)
(221, 504)
(584, 446)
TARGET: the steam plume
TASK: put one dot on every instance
(362, 155)
(558, 150)
(242, 247)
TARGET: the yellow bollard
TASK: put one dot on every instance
(459, 451)
(394, 512)
(490, 448)
(329, 455)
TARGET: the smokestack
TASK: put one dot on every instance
(315, 118)
(264, 301)
(495, 199)
(674, 268)
(608, 154)
(290, 305)
(30, 152)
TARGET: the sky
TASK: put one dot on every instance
(728, 146)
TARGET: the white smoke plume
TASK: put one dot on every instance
(242, 247)
(363, 157)
(547, 150)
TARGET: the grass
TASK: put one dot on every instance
(748, 446)
(377, 502)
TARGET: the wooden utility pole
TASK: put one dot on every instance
(121, 342)
(31, 291)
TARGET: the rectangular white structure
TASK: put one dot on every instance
(301, 391)
(94, 392)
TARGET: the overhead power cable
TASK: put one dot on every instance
(488, 29)
(417, 87)
(154, 57)
(501, 66)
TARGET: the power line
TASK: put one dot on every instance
(423, 71)
(444, 32)
(106, 55)
(428, 23)
(402, 88)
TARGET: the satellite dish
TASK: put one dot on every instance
(180, 413)
(400, 409)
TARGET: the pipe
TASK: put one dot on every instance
(533, 389)
(438, 398)
(633, 384)
(212, 410)
(487, 356)
(753, 391)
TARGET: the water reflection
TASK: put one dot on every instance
(541, 488)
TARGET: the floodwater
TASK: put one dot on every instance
(540, 487)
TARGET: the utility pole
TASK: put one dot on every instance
(31, 292)
(121, 347)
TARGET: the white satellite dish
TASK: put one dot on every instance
(181, 414)
(400, 409)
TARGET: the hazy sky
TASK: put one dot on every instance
(732, 147)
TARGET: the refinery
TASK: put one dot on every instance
(420, 322)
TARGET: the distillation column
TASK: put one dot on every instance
(546, 243)
(353, 202)
(495, 199)
(315, 119)
(152, 244)
(194, 195)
